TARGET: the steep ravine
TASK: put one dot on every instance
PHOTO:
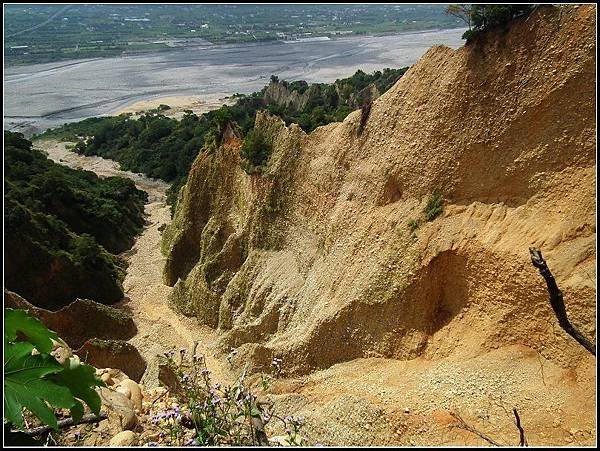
(385, 333)
(159, 328)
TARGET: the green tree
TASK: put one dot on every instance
(255, 150)
(481, 18)
(463, 12)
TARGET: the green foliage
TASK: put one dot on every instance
(73, 131)
(80, 380)
(255, 152)
(413, 225)
(469, 35)
(155, 145)
(485, 17)
(61, 226)
(35, 380)
(481, 18)
(165, 148)
(25, 385)
(462, 12)
(333, 102)
(434, 206)
(19, 321)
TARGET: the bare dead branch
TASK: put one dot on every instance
(556, 301)
(522, 439)
(89, 418)
(461, 424)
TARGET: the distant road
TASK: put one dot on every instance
(35, 27)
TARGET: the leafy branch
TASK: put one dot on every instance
(36, 381)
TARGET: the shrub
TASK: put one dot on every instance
(485, 17)
(469, 35)
(434, 206)
(212, 414)
(255, 151)
(481, 18)
(62, 226)
(413, 225)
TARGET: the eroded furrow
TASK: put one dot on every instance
(159, 328)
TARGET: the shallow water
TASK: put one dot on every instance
(46, 95)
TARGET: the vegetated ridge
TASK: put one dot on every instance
(64, 227)
(163, 147)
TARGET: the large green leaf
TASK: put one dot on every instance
(25, 386)
(80, 379)
(20, 321)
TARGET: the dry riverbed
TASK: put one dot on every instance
(159, 327)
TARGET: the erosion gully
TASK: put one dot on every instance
(159, 328)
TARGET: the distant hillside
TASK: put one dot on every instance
(63, 227)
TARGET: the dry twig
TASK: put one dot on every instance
(522, 439)
(463, 425)
(556, 301)
(89, 418)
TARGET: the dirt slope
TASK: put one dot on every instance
(315, 262)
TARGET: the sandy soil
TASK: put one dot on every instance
(366, 401)
(178, 104)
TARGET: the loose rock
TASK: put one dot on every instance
(124, 438)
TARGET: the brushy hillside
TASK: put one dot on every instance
(63, 227)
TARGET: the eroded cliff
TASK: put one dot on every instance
(315, 261)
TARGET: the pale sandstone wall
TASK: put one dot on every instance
(314, 260)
